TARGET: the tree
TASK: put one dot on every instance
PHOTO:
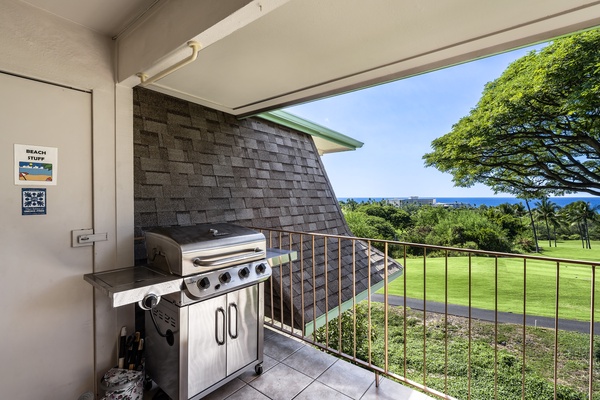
(536, 129)
(546, 211)
(469, 228)
(581, 213)
(509, 218)
(350, 204)
(556, 222)
(368, 226)
(587, 214)
(516, 210)
(535, 238)
(398, 217)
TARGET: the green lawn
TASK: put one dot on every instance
(574, 293)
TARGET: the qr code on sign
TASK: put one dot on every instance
(34, 201)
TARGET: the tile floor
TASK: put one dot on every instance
(295, 370)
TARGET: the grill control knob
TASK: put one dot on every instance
(225, 277)
(244, 272)
(149, 301)
(204, 283)
(261, 268)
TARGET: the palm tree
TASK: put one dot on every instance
(573, 217)
(519, 210)
(506, 208)
(556, 222)
(588, 214)
(545, 210)
(581, 213)
(351, 204)
(535, 238)
(515, 210)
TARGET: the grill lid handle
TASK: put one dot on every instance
(238, 257)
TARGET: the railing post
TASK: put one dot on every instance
(281, 285)
(425, 317)
(556, 330)
(592, 312)
(339, 295)
(314, 285)
(369, 298)
(302, 283)
(291, 268)
(354, 298)
(326, 294)
(385, 308)
(524, 325)
(495, 327)
(469, 332)
(446, 322)
(404, 313)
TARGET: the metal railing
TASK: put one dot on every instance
(324, 297)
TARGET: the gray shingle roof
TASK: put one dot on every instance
(195, 165)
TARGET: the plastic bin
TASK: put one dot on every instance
(123, 384)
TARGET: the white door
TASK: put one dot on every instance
(242, 347)
(46, 339)
(207, 344)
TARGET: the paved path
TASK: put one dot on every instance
(488, 315)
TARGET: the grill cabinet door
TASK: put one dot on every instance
(242, 329)
(207, 347)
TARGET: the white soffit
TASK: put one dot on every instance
(307, 49)
(261, 55)
(107, 17)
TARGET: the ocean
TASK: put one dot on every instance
(488, 201)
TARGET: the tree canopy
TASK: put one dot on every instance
(536, 129)
(504, 228)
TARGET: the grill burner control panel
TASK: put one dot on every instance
(216, 282)
(133, 284)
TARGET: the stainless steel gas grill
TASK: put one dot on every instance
(208, 328)
(211, 331)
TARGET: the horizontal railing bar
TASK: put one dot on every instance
(435, 247)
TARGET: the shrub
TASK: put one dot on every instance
(524, 244)
(347, 332)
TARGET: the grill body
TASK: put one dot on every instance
(210, 332)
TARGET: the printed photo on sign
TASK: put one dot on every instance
(29, 171)
(35, 165)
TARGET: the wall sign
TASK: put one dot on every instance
(36, 165)
(33, 201)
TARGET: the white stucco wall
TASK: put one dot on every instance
(38, 45)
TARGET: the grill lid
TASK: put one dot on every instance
(186, 250)
(207, 236)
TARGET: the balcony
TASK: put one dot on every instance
(439, 346)
(295, 370)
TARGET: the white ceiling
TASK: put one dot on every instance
(306, 49)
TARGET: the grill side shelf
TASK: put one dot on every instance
(277, 257)
(130, 285)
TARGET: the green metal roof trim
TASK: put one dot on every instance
(292, 121)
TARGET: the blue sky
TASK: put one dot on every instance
(397, 122)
